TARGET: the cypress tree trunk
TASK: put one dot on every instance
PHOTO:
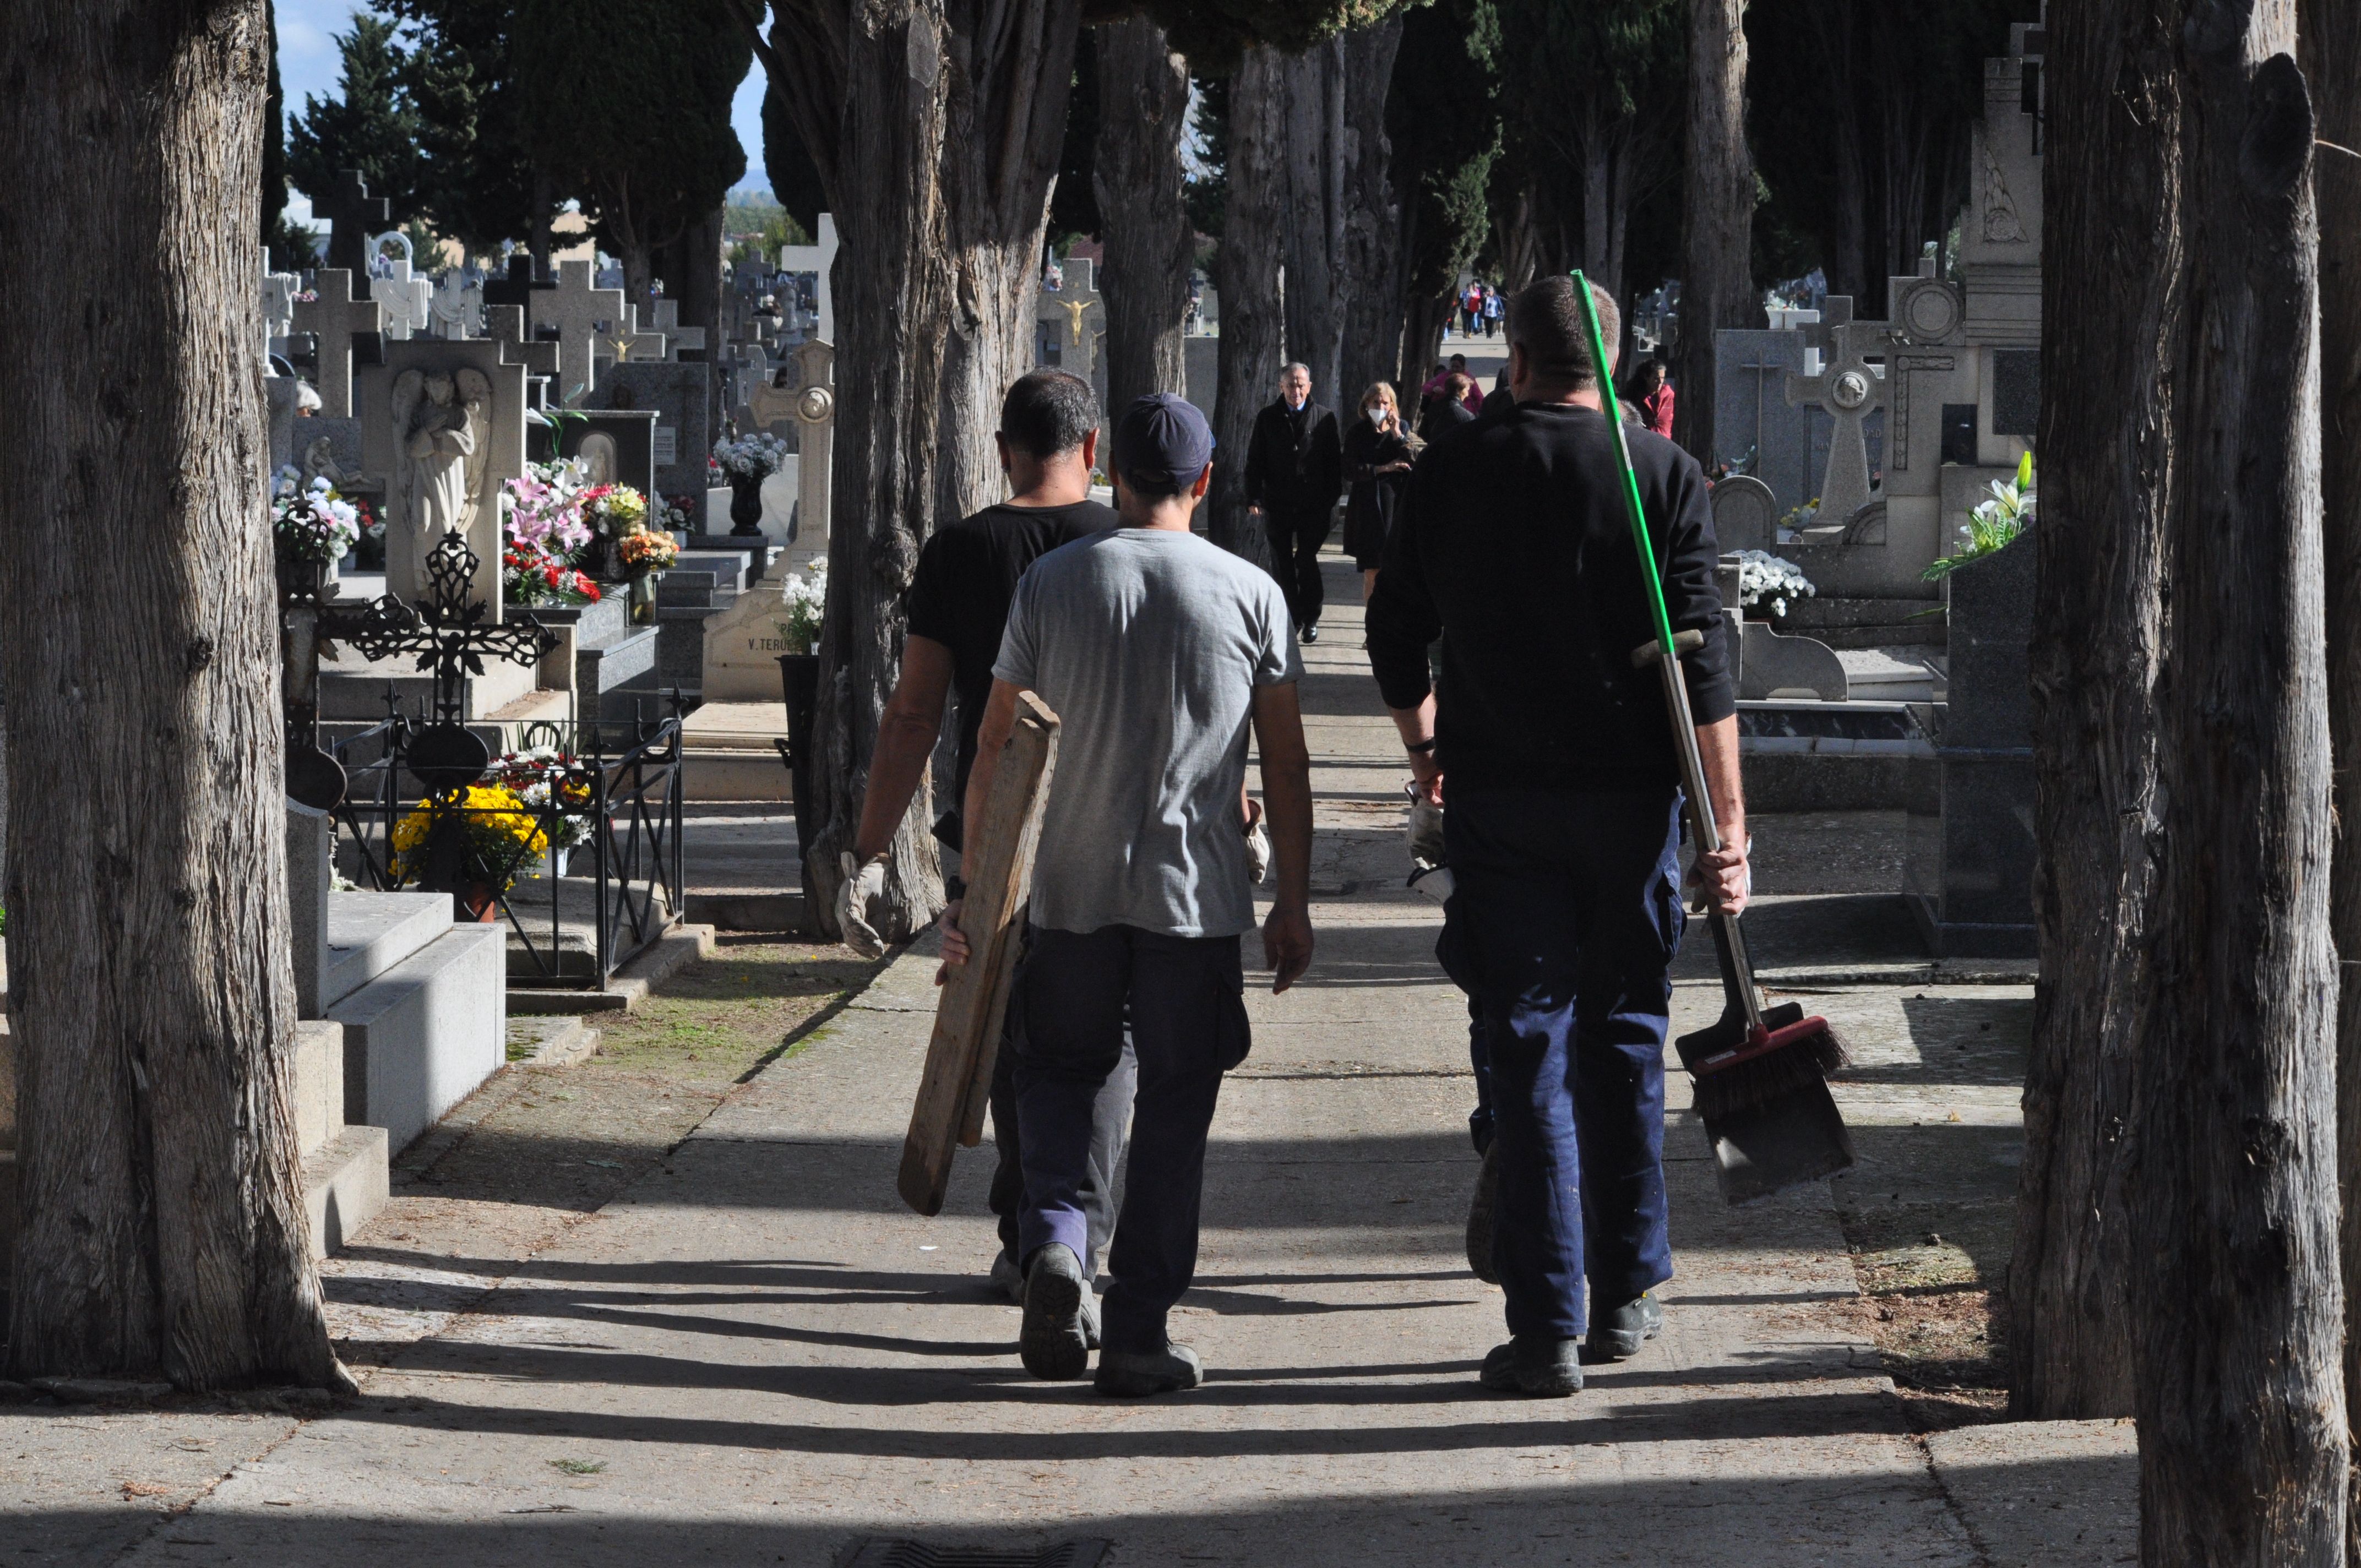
(1717, 269)
(1374, 261)
(935, 126)
(1314, 154)
(2331, 32)
(2237, 1300)
(2112, 306)
(1249, 289)
(151, 984)
(1137, 177)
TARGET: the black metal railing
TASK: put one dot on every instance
(581, 857)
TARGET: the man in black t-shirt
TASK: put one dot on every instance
(958, 608)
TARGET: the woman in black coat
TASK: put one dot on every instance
(1377, 452)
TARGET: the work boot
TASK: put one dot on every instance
(1618, 1334)
(1136, 1373)
(1312, 632)
(1541, 1365)
(1054, 1341)
(1007, 1276)
(1480, 1216)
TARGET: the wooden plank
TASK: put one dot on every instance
(967, 1020)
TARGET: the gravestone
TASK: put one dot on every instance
(742, 645)
(1969, 869)
(407, 298)
(809, 398)
(354, 214)
(1068, 322)
(444, 431)
(584, 316)
(286, 399)
(279, 291)
(349, 331)
(618, 446)
(819, 262)
(683, 341)
(457, 307)
(1745, 515)
(1848, 388)
(504, 324)
(680, 396)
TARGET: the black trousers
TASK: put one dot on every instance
(1297, 534)
(1110, 1137)
(1183, 996)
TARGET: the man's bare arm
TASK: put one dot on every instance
(906, 738)
(1287, 797)
(1724, 876)
(999, 718)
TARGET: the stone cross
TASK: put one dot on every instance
(345, 328)
(407, 298)
(667, 322)
(584, 316)
(1064, 317)
(633, 342)
(504, 324)
(1849, 389)
(355, 216)
(820, 260)
(459, 304)
(279, 291)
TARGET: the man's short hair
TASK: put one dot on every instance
(1459, 386)
(1546, 321)
(1048, 412)
(1292, 366)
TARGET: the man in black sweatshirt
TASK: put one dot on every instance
(1295, 468)
(1563, 825)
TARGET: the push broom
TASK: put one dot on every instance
(1761, 1076)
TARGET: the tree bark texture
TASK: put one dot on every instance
(1248, 265)
(1374, 261)
(2331, 33)
(1137, 177)
(1718, 224)
(692, 275)
(2237, 1302)
(152, 987)
(2112, 305)
(935, 126)
(1315, 157)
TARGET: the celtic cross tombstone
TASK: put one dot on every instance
(1849, 389)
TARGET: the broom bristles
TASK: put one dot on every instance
(1790, 1058)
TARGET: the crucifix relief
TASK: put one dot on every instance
(1849, 389)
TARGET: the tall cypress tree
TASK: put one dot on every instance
(373, 128)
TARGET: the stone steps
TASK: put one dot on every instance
(728, 753)
(420, 1037)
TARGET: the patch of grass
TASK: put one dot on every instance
(579, 1467)
(724, 1016)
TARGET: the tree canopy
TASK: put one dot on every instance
(372, 128)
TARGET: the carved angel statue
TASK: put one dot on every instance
(443, 423)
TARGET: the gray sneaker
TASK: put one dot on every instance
(1054, 1343)
(1617, 1334)
(1007, 1277)
(1136, 1373)
(1537, 1365)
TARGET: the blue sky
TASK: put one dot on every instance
(308, 64)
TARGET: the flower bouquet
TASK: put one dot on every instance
(1763, 577)
(647, 552)
(543, 508)
(750, 459)
(311, 522)
(805, 601)
(2009, 512)
(531, 576)
(558, 786)
(614, 511)
(499, 838)
(681, 512)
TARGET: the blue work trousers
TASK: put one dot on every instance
(1185, 999)
(1569, 909)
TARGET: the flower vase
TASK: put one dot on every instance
(643, 597)
(478, 903)
(746, 507)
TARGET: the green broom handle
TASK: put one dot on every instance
(1676, 694)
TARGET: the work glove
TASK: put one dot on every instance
(1425, 829)
(862, 885)
(1258, 845)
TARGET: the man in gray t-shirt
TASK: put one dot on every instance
(1157, 651)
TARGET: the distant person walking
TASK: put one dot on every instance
(1149, 643)
(1652, 395)
(1295, 467)
(1492, 309)
(1378, 452)
(1471, 308)
(1456, 405)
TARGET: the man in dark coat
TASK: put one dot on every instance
(1295, 467)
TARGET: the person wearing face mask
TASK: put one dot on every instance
(1377, 452)
(1295, 465)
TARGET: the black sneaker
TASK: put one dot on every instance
(1479, 1215)
(1312, 632)
(1536, 1365)
(1054, 1341)
(1136, 1373)
(1618, 1334)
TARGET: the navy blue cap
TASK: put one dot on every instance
(1162, 442)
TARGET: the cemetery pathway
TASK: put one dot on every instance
(755, 1354)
